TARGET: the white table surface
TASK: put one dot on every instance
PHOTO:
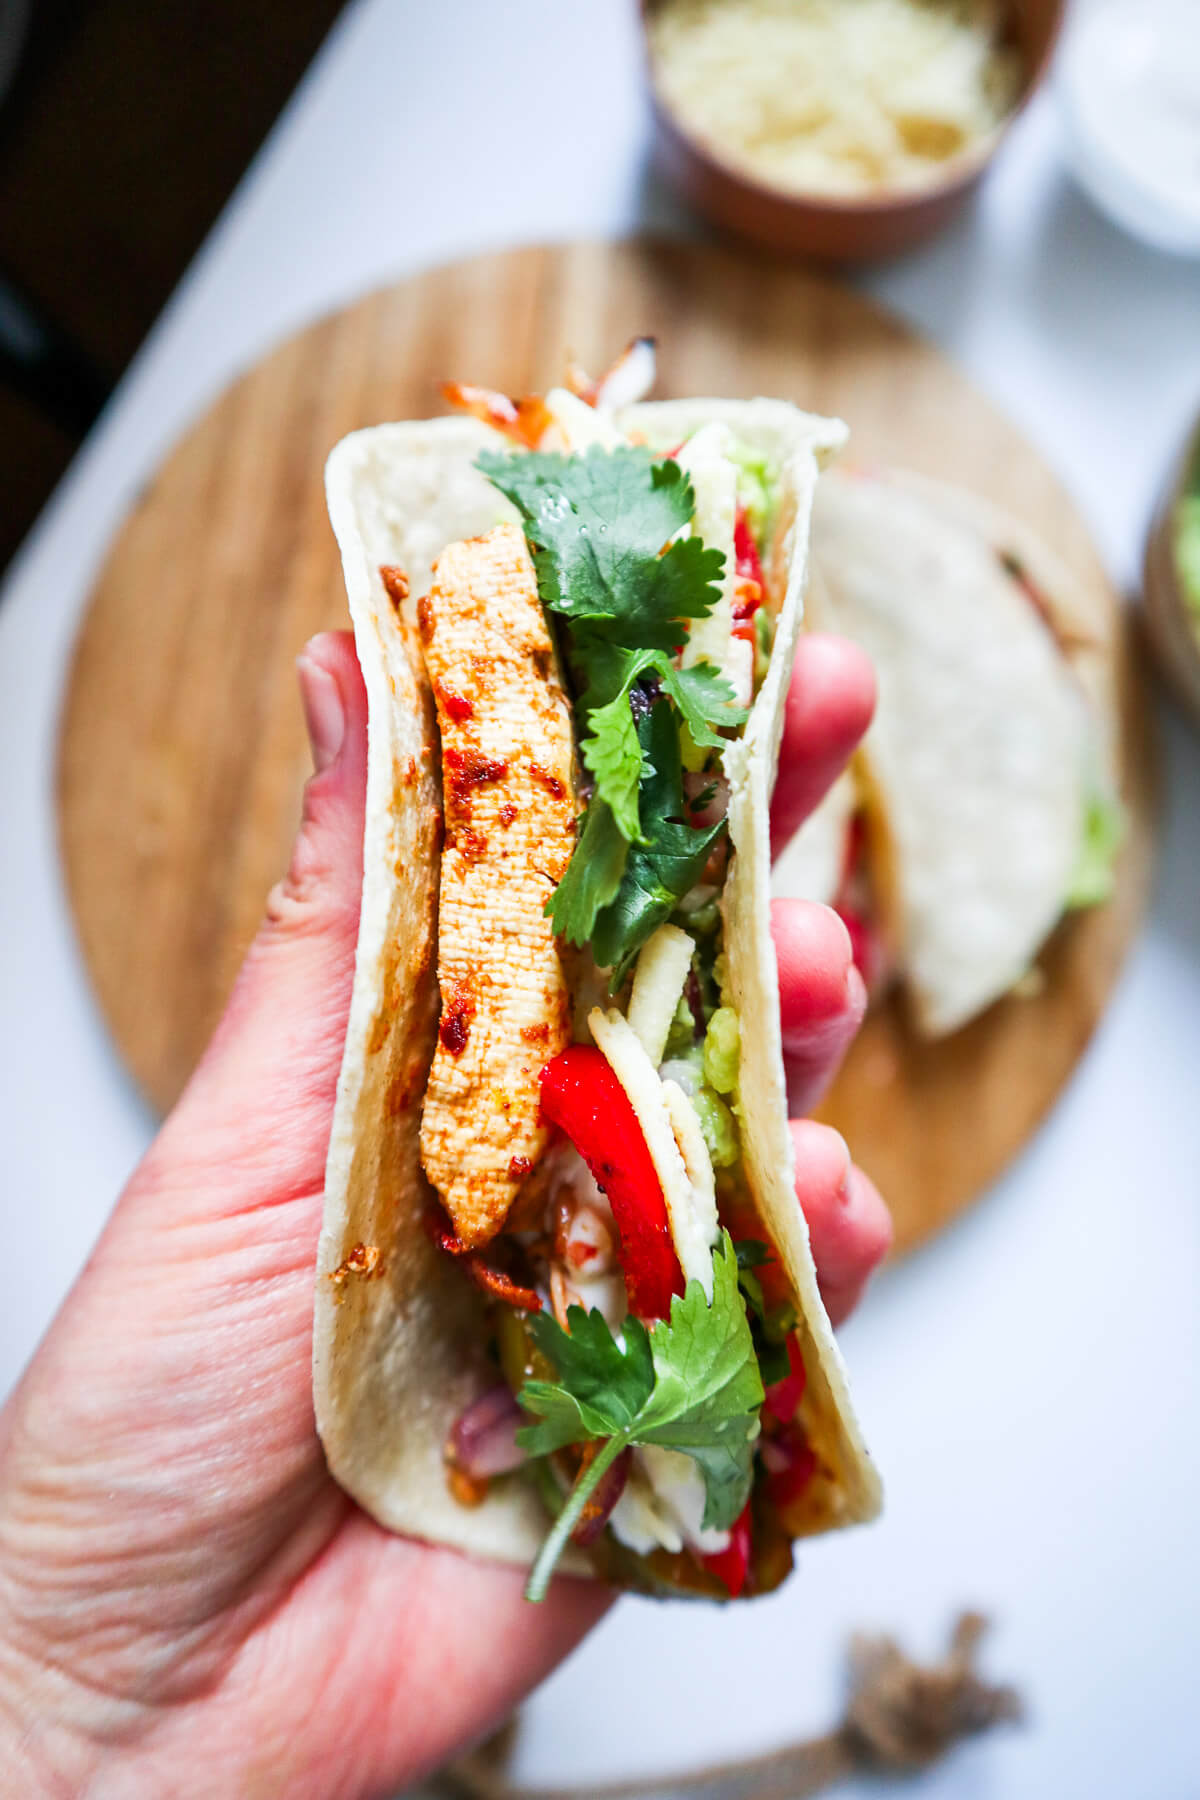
(1029, 1382)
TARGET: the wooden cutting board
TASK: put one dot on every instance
(182, 752)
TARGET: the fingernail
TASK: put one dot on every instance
(856, 990)
(324, 714)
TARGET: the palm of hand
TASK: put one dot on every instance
(182, 1586)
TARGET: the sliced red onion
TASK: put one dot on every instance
(790, 1465)
(631, 376)
(603, 1499)
(717, 807)
(483, 1441)
(776, 1455)
(697, 897)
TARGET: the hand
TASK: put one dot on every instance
(822, 995)
(188, 1604)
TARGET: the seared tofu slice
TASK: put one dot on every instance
(508, 777)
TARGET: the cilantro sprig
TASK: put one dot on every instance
(599, 523)
(770, 1325)
(603, 529)
(690, 1383)
(657, 873)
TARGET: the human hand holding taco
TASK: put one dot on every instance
(188, 1602)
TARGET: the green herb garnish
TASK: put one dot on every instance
(660, 870)
(600, 524)
(771, 1325)
(690, 1383)
(602, 527)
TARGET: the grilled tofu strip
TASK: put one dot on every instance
(508, 778)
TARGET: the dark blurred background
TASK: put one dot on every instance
(124, 127)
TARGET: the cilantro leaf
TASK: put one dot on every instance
(707, 1389)
(598, 523)
(608, 668)
(771, 1325)
(684, 583)
(656, 878)
(602, 1386)
(593, 878)
(603, 530)
(614, 896)
(611, 748)
(705, 699)
(670, 860)
(751, 1255)
(689, 1384)
(614, 754)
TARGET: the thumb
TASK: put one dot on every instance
(260, 1103)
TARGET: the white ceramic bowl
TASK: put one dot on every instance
(1128, 83)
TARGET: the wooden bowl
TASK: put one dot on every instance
(840, 229)
(1170, 625)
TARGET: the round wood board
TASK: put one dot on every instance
(182, 752)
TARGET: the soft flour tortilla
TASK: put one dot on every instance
(984, 745)
(399, 1342)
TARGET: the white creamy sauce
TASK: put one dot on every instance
(662, 1506)
(1130, 83)
(604, 1294)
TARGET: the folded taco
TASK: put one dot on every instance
(983, 804)
(566, 1310)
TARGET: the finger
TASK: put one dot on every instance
(828, 708)
(270, 1072)
(821, 996)
(849, 1226)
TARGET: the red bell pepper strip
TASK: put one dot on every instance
(582, 1096)
(783, 1397)
(732, 1564)
(748, 564)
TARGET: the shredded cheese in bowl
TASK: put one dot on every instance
(836, 97)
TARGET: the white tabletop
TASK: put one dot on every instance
(1029, 1382)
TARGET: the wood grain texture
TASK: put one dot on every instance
(182, 752)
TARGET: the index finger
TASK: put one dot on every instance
(828, 708)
